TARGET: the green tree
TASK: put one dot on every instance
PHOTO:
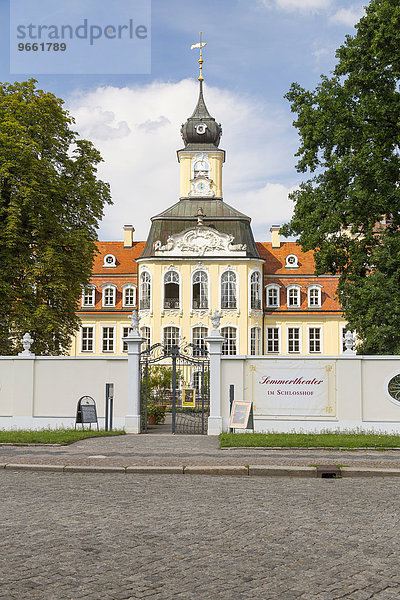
(349, 208)
(50, 205)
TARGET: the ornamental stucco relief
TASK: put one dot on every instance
(200, 241)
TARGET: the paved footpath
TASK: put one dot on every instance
(185, 450)
(73, 536)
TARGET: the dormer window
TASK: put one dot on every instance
(109, 261)
(273, 296)
(88, 295)
(292, 262)
(314, 296)
(109, 294)
(293, 296)
(129, 295)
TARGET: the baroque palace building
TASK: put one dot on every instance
(200, 255)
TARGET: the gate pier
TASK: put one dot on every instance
(215, 341)
(132, 419)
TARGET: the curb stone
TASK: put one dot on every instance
(272, 471)
(217, 470)
(255, 470)
(156, 470)
(92, 469)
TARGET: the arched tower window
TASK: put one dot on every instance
(145, 291)
(200, 290)
(228, 290)
(171, 290)
(255, 291)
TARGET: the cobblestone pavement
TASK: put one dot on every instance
(179, 450)
(107, 537)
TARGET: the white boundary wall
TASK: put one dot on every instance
(352, 392)
(44, 391)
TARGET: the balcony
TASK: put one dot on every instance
(200, 304)
(171, 303)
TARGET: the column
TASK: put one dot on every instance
(215, 342)
(133, 418)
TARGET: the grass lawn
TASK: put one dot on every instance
(50, 436)
(335, 439)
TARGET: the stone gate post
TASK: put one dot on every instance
(215, 341)
(134, 342)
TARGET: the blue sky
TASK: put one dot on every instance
(255, 50)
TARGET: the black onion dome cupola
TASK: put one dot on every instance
(201, 129)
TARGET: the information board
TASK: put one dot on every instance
(189, 397)
(242, 415)
(86, 411)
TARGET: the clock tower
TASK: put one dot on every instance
(201, 160)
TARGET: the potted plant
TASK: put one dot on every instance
(155, 414)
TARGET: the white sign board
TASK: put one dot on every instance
(298, 391)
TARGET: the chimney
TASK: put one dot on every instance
(275, 237)
(128, 236)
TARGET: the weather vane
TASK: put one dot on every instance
(200, 45)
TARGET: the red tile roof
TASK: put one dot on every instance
(275, 258)
(125, 258)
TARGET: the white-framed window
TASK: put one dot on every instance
(108, 339)
(293, 340)
(199, 290)
(87, 338)
(255, 341)
(145, 291)
(171, 290)
(291, 262)
(273, 340)
(314, 340)
(255, 290)
(198, 336)
(89, 295)
(293, 296)
(145, 332)
(272, 293)
(171, 337)
(125, 332)
(109, 261)
(229, 347)
(314, 296)
(109, 294)
(228, 290)
(129, 297)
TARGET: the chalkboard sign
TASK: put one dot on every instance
(188, 397)
(242, 415)
(86, 411)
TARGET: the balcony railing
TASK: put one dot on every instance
(200, 304)
(171, 303)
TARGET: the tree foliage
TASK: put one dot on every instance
(349, 209)
(51, 202)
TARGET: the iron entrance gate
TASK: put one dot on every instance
(179, 380)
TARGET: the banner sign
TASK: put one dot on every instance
(300, 391)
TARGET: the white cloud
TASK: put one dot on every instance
(347, 16)
(304, 6)
(137, 131)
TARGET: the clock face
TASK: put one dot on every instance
(200, 128)
(201, 186)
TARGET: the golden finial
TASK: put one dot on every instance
(200, 45)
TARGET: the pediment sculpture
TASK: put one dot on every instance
(200, 241)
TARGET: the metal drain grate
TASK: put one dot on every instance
(329, 472)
